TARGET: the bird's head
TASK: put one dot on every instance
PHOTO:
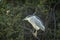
(27, 18)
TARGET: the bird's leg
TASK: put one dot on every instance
(35, 33)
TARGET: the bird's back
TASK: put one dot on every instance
(36, 23)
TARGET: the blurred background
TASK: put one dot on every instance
(13, 11)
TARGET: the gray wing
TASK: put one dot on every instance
(39, 23)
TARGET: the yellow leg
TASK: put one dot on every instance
(35, 34)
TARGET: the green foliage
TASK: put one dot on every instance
(13, 11)
(10, 19)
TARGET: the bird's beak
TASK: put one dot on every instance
(24, 19)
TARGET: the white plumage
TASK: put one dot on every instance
(35, 22)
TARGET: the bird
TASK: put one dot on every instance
(36, 23)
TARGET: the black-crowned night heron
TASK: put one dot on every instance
(36, 23)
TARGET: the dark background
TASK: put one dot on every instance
(13, 11)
